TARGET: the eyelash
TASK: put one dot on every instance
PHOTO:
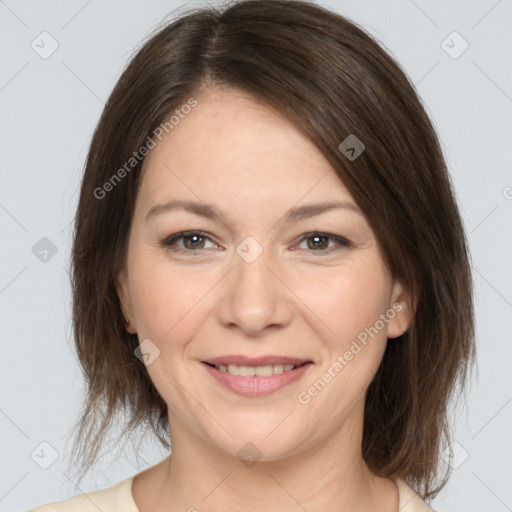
(171, 240)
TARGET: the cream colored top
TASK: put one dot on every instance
(119, 499)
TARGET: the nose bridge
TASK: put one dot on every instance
(254, 298)
(252, 274)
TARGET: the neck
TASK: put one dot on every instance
(331, 476)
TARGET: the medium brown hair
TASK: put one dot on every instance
(331, 79)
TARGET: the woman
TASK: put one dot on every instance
(270, 270)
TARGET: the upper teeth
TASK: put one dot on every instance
(259, 371)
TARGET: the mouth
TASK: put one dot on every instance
(256, 376)
(258, 371)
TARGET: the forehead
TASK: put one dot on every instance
(232, 147)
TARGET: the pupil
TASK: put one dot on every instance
(196, 237)
(317, 238)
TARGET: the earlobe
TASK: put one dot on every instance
(402, 310)
(121, 284)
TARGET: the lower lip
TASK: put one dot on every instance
(257, 386)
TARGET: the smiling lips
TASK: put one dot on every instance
(255, 376)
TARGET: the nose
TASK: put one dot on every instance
(254, 296)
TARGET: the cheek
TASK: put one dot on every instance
(165, 299)
(350, 304)
(349, 300)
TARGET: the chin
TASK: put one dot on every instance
(262, 442)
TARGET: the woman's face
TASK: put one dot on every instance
(259, 281)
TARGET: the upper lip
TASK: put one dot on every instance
(242, 360)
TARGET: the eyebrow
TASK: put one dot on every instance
(210, 212)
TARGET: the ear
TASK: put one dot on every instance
(123, 292)
(402, 309)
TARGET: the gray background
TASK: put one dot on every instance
(48, 110)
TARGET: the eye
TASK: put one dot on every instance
(193, 241)
(320, 242)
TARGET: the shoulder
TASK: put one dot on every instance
(410, 500)
(114, 499)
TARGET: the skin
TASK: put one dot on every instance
(293, 299)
